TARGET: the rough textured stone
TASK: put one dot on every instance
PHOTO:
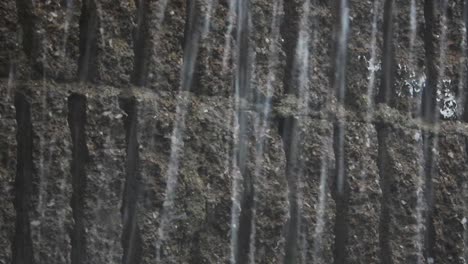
(140, 194)
(7, 173)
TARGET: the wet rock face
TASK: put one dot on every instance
(248, 131)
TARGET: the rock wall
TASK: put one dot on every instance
(120, 128)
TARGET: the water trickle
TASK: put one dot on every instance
(373, 64)
(461, 100)
(373, 67)
(160, 14)
(320, 225)
(44, 167)
(177, 143)
(340, 87)
(413, 32)
(172, 172)
(207, 19)
(227, 36)
(66, 25)
(340, 69)
(11, 81)
(339, 82)
(290, 129)
(263, 114)
(243, 223)
(445, 92)
(420, 208)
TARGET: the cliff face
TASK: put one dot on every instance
(214, 131)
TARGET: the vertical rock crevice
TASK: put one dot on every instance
(243, 92)
(288, 132)
(429, 93)
(131, 237)
(429, 143)
(386, 91)
(88, 46)
(287, 127)
(244, 66)
(245, 219)
(465, 92)
(341, 195)
(385, 176)
(290, 33)
(385, 96)
(80, 157)
(30, 41)
(340, 181)
(430, 115)
(22, 247)
(142, 44)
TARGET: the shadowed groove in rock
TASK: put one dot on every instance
(245, 220)
(80, 157)
(385, 176)
(385, 96)
(386, 91)
(29, 24)
(465, 80)
(191, 45)
(288, 131)
(290, 33)
(465, 110)
(429, 141)
(243, 92)
(429, 114)
(142, 44)
(340, 50)
(341, 196)
(287, 126)
(22, 247)
(87, 61)
(131, 237)
(429, 93)
(340, 180)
